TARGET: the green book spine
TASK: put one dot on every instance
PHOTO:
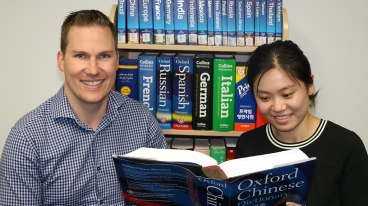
(219, 154)
(224, 93)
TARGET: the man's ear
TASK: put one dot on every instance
(117, 60)
(60, 60)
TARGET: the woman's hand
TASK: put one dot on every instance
(292, 204)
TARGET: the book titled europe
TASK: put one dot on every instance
(271, 22)
(203, 92)
(147, 80)
(223, 92)
(159, 22)
(263, 23)
(224, 22)
(182, 91)
(192, 22)
(127, 78)
(145, 22)
(231, 23)
(149, 176)
(278, 20)
(169, 22)
(256, 23)
(218, 22)
(164, 92)
(240, 41)
(249, 23)
(133, 22)
(181, 21)
(121, 22)
(210, 21)
(202, 22)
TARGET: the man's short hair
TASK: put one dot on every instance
(85, 18)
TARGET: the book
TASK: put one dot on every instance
(249, 23)
(182, 143)
(168, 141)
(263, 22)
(149, 176)
(133, 22)
(218, 150)
(230, 147)
(231, 24)
(169, 22)
(127, 78)
(260, 120)
(192, 22)
(145, 22)
(271, 26)
(202, 22)
(121, 21)
(224, 22)
(181, 21)
(159, 22)
(256, 23)
(210, 23)
(240, 41)
(278, 20)
(203, 92)
(202, 146)
(218, 22)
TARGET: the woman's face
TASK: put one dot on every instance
(282, 102)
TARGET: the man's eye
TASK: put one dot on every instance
(104, 56)
(80, 56)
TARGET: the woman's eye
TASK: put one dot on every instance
(264, 98)
(287, 95)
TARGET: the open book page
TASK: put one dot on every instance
(247, 165)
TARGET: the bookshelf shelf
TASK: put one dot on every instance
(176, 132)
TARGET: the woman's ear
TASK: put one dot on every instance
(311, 86)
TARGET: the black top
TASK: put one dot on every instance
(340, 176)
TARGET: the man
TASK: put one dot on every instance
(61, 152)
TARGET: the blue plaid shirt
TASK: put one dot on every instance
(52, 158)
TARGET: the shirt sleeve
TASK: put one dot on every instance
(20, 176)
(155, 136)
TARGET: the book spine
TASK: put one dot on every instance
(256, 23)
(278, 20)
(159, 22)
(263, 22)
(245, 103)
(181, 21)
(219, 154)
(164, 92)
(271, 26)
(224, 22)
(182, 93)
(223, 95)
(230, 154)
(210, 28)
(260, 119)
(147, 82)
(192, 22)
(133, 22)
(169, 22)
(203, 94)
(145, 22)
(121, 22)
(218, 22)
(127, 79)
(249, 23)
(231, 23)
(240, 23)
(202, 22)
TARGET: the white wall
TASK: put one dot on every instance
(330, 32)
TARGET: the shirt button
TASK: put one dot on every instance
(101, 202)
(98, 169)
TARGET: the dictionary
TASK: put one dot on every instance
(127, 78)
(150, 176)
(121, 21)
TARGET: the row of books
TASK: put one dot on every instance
(221, 150)
(200, 22)
(191, 91)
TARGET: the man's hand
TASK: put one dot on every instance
(292, 204)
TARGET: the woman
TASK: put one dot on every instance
(283, 85)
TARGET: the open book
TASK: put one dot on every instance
(183, 177)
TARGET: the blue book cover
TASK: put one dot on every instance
(218, 22)
(202, 22)
(133, 22)
(159, 22)
(192, 22)
(240, 40)
(183, 91)
(224, 22)
(210, 21)
(271, 22)
(278, 20)
(256, 23)
(164, 90)
(121, 22)
(249, 23)
(186, 182)
(231, 23)
(169, 22)
(127, 78)
(181, 21)
(263, 22)
(145, 22)
(147, 80)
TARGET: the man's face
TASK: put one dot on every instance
(89, 64)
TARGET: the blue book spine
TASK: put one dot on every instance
(202, 22)
(159, 22)
(240, 40)
(121, 22)
(271, 22)
(147, 81)
(169, 22)
(181, 21)
(218, 22)
(256, 23)
(133, 22)
(224, 22)
(127, 78)
(164, 91)
(263, 22)
(278, 20)
(249, 23)
(192, 22)
(145, 22)
(231, 23)
(210, 21)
